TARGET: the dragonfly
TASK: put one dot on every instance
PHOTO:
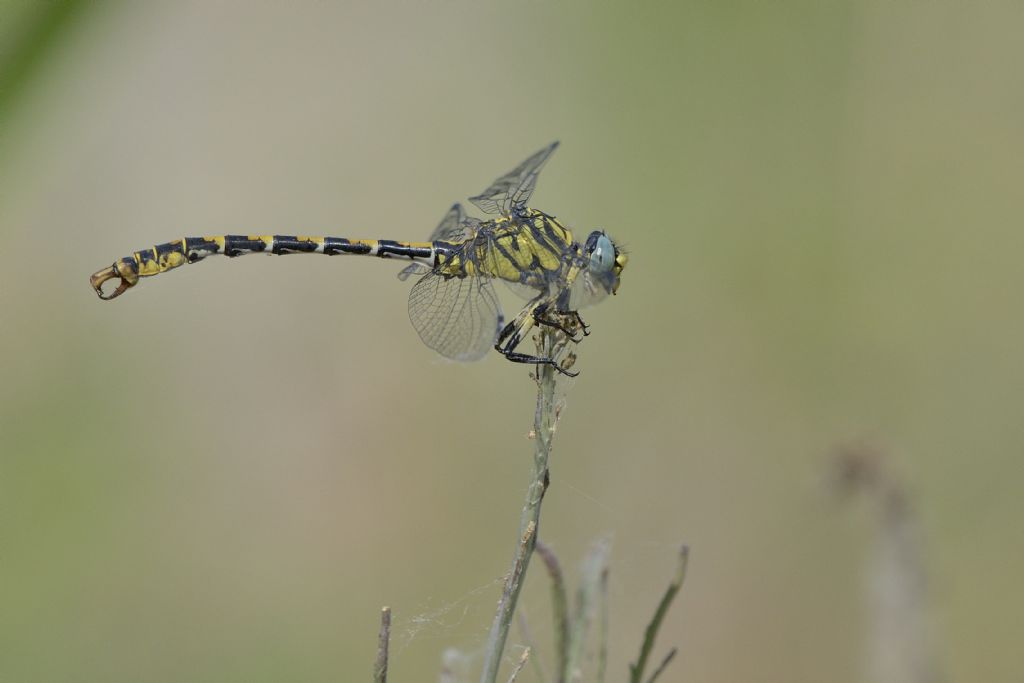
(453, 305)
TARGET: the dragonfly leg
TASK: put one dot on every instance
(513, 333)
(517, 357)
(542, 316)
(516, 330)
(579, 320)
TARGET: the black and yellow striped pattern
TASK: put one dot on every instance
(452, 305)
(525, 251)
(168, 256)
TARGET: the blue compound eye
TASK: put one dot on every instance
(603, 256)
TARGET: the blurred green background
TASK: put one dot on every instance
(224, 474)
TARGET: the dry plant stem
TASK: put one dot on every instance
(587, 598)
(519, 666)
(636, 671)
(543, 428)
(380, 669)
(602, 652)
(664, 665)
(524, 630)
(560, 606)
(900, 645)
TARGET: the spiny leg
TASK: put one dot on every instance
(517, 357)
(513, 334)
(579, 321)
(542, 316)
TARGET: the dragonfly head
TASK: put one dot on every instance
(604, 264)
(606, 260)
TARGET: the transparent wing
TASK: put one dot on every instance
(523, 291)
(589, 288)
(514, 188)
(457, 317)
(454, 227)
(413, 269)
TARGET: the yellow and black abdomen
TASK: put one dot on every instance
(168, 256)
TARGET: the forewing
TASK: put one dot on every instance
(454, 227)
(514, 188)
(457, 317)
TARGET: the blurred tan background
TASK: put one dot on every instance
(224, 474)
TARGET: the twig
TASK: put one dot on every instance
(380, 669)
(560, 606)
(602, 648)
(636, 671)
(543, 428)
(524, 629)
(664, 665)
(519, 666)
(506, 605)
(900, 643)
(587, 597)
